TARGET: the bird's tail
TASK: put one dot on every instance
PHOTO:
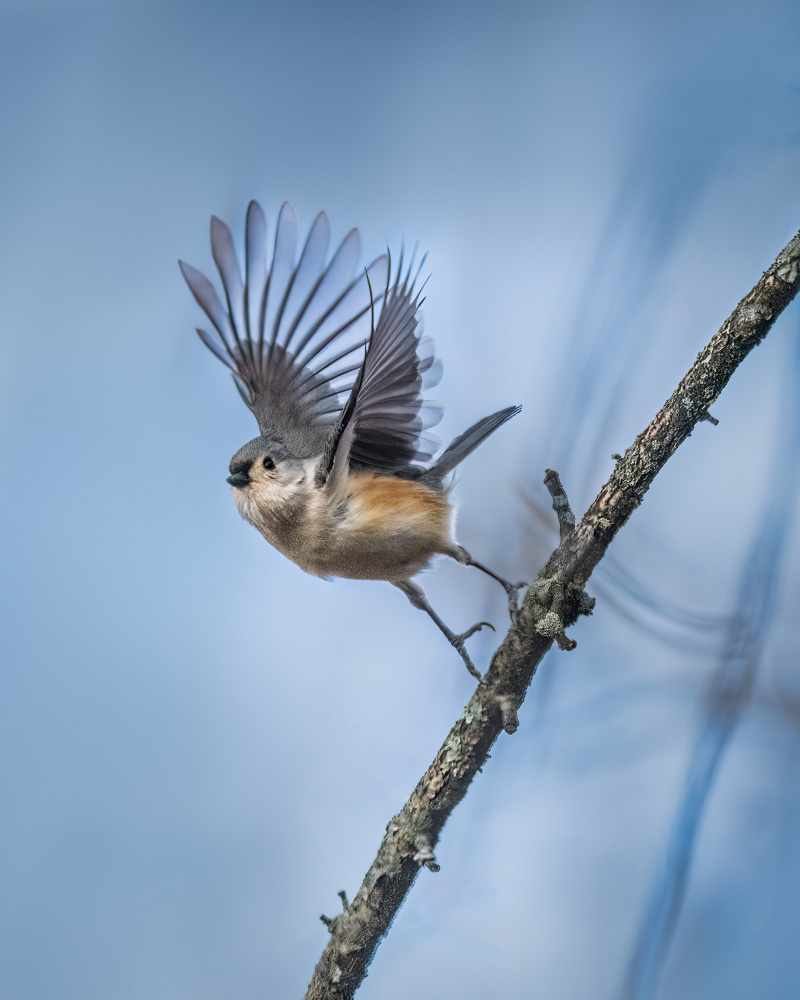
(465, 443)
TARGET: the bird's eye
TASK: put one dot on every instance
(268, 463)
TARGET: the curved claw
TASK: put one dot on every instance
(471, 631)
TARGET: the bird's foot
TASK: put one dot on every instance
(513, 602)
(458, 642)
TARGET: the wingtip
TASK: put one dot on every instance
(219, 229)
(503, 415)
(255, 213)
(189, 273)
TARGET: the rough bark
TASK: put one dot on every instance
(553, 603)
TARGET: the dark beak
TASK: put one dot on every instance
(239, 479)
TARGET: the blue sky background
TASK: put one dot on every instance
(199, 744)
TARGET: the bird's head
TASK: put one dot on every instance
(269, 482)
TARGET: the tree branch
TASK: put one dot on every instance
(553, 603)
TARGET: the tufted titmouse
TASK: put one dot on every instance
(338, 479)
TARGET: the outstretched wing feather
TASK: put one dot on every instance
(288, 328)
(382, 423)
(255, 273)
(225, 258)
(308, 274)
(215, 349)
(208, 300)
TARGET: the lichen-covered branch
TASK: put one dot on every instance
(552, 604)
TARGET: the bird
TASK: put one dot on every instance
(341, 478)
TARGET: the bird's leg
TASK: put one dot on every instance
(461, 554)
(416, 595)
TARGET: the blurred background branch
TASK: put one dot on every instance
(727, 694)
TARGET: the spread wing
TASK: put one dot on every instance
(291, 330)
(381, 426)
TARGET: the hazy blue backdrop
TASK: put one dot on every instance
(199, 744)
